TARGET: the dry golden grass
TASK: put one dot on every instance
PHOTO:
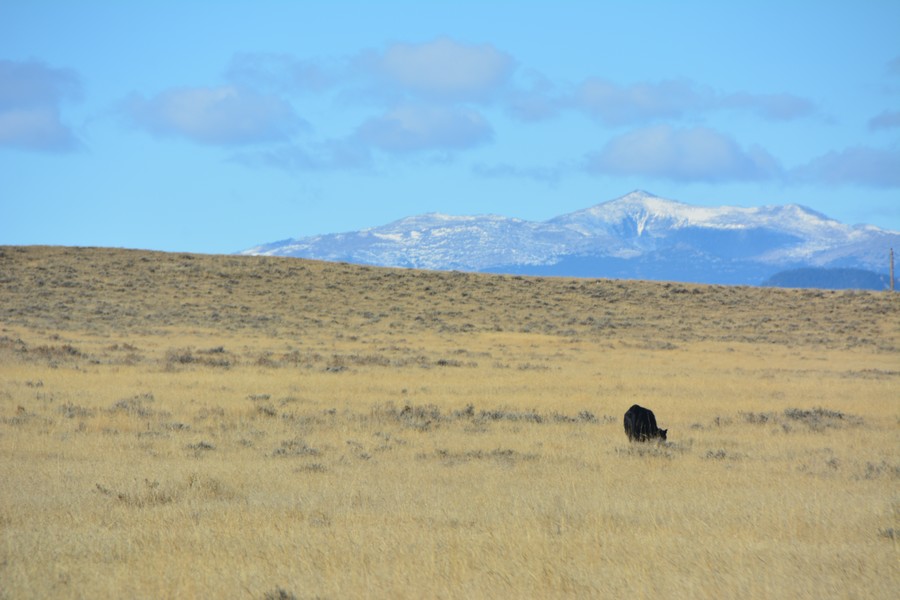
(198, 426)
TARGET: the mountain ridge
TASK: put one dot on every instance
(636, 236)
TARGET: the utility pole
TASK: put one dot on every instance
(892, 269)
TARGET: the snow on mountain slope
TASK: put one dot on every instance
(435, 241)
(636, 228)
(654, 215)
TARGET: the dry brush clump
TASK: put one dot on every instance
(815, 419)
(147, 493)
(505, 456)
(429, 415)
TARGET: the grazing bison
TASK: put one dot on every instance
(640, 425)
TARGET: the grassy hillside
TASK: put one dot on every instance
(200, 426)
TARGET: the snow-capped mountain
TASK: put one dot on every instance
(636, 236)
(434, 241)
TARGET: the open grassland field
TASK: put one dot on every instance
(246, 427)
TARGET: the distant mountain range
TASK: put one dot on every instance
(637, 236)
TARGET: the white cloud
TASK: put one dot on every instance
(642, 102)
(427, 91)
(694, 154)
(413, 128)
(30, 97)
(227, 115)
(442, 70)
(859, 165)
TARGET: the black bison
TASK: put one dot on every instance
(640, 425)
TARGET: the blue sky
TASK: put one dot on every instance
(215, 126)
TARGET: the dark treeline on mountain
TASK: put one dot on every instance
(830, 279)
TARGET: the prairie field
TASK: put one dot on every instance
(192, 426)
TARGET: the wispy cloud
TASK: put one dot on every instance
(442, 70)
(888, 119)
(226, 115)
(646, 102)
(693, 154)
(413, 128)
(859, 165)
(283, 73)
(401, 131)
(533, 98)
(30, 97)
(325, 156)
(893, 66)
(774, 107)
(642, 102)
(547, 175)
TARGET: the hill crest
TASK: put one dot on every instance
(114, 292)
